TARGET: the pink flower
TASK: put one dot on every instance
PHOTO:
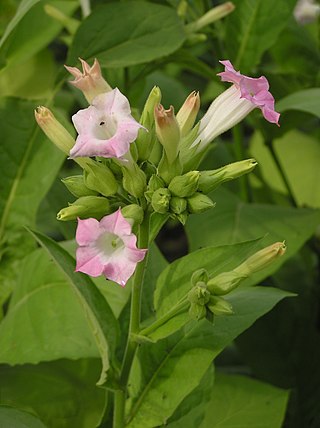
(107, 247)
(90, 80)
(106, 128)
(255, 90)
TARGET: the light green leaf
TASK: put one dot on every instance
(123, 34)
(307, 100)
(62, 393)
(29, 164)
(166, 372)
(245, 403)
(101, 320)
(253, 28)
(10, 417)
(233, 221)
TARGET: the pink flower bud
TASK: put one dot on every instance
(167, 130)
(187, 114)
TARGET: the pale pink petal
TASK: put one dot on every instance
(116, 223)
(87, 231)
(230, 74)
(89, 261)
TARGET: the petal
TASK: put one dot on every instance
(88, 261)
(250, 86)
(87, 231)
(116, 223)
(230, 74)
(271, 115)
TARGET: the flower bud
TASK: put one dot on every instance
(200, 275)
(155, 183)
(211, 16)
(90, 80)
(75, 185)
(199, 203)
(167, 170)
(210, 180)
(168, 131)
(185, 185)
(183, 217)
(145, 140)
(199, 294)
(85, 207)
(161, 200)
(261, 259)
(99, 177)
(187, 114)
(178, 205)
(53, 129)
(197, 312)
(224, 282)
(219, 306)
(134, 179)
(133, 212)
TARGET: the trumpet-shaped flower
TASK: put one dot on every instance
(90, 80)
(106, 128)
(107, 247)
(234, 104)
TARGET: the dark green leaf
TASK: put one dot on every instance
(10, 417)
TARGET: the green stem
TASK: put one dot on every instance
(179, 307)
(134, 326)
(240, 155)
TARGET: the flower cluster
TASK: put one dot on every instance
(133, 170)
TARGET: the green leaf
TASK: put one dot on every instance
(15, 418)
(166, 372)
(232, 221)
(307, 100)
(253, 28)
(123, 34)
(62, 393)
(33, 31)
(101, 320)
(245, 403)
(299, 156)
(29, 164)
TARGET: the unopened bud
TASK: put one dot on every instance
(197, 312)
(85, 207)
(199, 203)
(161, 200)
(210, 180)
(211, 16)
(100, 178)
(90, 81)
(134, 212)
(75, 185)
(134, 180)
(185, 185)
(199, 294)
(178, 205)
(145, 140)
(155, 183)
(168, 131)
(187, 114)
(219, 306)
(183, 217)
(200, 275)
(225, 282)
(261, 259)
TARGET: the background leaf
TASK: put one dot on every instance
(123, 34)
(10, 417)
(307, 100)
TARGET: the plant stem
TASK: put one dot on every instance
(134, 326)
(240, 155)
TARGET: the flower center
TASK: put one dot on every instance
(108, 243)
(106, 128)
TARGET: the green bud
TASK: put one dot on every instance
(183, 217)
(134, 180)
(187, 114)
(85, 207)
(200, 275)
(75, 185)
(99, 177)
(199, 203)
(185, 185)
(168, 131)
(134, 212)
(210, 180)
(160, 200)
(178, 205)
(199, 294)
(145, 140)
(197, 312)
(219, 306)
(225, 282)
(167, 170)
(155, 183)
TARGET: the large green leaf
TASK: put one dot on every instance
(10, 417)
(299, 156)
(62, 393)
(29, 164)
(101, 320)
(33, 31)
(166, 372)
(307, 100)
(253, 28)
(123, 34)
(245, 403)
(233, 221)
